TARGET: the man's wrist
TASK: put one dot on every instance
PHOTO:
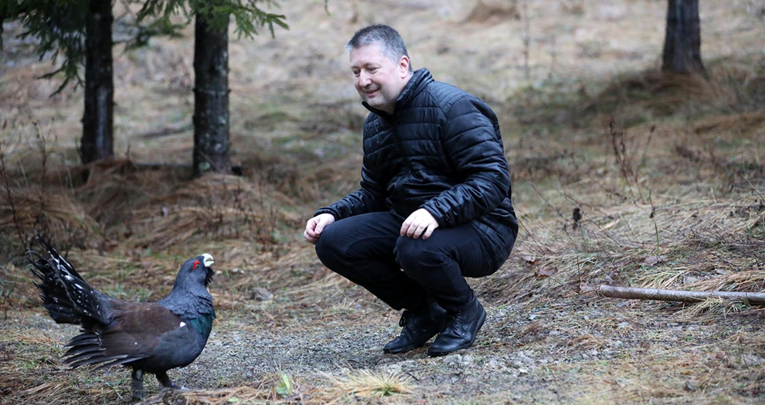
(326, 210)
(434, 214)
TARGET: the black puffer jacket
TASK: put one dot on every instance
(440, 150)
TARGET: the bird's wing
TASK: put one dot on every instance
(133, 335)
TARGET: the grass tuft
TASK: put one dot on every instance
(370, 384)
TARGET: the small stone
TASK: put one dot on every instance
(524, 359)
(690, 386)
(654, 260)
(261, 294)
(752, 359)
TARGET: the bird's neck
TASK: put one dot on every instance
(189, 305)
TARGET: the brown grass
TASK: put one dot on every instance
(368, 384)
(28, 212)
(245, 395)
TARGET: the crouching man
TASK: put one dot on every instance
(434, 205)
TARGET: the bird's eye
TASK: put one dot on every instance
(196, 264)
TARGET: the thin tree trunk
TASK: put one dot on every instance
(98, 119)
(2, 18)
(211, 118)
(682, 44)
(678, 295)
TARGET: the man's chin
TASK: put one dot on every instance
(375, 103)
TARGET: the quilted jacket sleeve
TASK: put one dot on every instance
(472, 143)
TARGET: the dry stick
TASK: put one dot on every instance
(7, 186)
(532, 236)
(741, 172)
(526, 38)
(553, 209)
(677, 295)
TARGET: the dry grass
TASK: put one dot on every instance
(243, 395)
(368, 384)
(358, 386)
(25, 212)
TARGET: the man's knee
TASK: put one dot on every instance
(327, 247)
(414, 254)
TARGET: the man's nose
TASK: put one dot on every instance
(364, 79)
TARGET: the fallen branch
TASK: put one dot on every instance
(677, 295)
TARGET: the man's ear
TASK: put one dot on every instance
(403, 66)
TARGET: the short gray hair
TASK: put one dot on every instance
(388, 38)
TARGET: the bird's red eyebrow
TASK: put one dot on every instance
(196, 264)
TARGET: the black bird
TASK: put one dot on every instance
(149, 337)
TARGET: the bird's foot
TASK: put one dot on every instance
(165, 380)
(139, 395)
(137, 385)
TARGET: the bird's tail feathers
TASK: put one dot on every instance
(66, 296)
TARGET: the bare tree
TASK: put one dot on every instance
(81, 32)
(682, 45)
(98, 118)
(211, 117)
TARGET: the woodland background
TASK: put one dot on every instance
(623, 174)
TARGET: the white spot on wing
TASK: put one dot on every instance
(182, 324)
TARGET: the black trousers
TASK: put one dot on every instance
(404, 272)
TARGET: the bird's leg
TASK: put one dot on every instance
(138, 392)
(165, 380)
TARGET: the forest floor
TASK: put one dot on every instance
(666, 173)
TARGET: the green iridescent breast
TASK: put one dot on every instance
(202, 324)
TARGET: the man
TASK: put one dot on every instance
(434, 205)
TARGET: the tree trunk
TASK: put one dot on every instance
(682, 45)
(211, 119)
(98, 118)
(2, 18)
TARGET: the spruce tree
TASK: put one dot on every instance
(211, 114)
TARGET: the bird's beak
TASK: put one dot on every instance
(208, 259)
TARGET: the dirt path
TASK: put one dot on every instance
(586, 351)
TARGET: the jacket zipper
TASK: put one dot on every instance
(398, 146)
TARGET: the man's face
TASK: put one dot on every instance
(378, 79)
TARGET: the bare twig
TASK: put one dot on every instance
(526, 37)
(7, 186)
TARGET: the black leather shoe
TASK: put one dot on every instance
(461, 329)
(419, 326)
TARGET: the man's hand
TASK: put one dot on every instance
(315, 225)
(419, 223)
